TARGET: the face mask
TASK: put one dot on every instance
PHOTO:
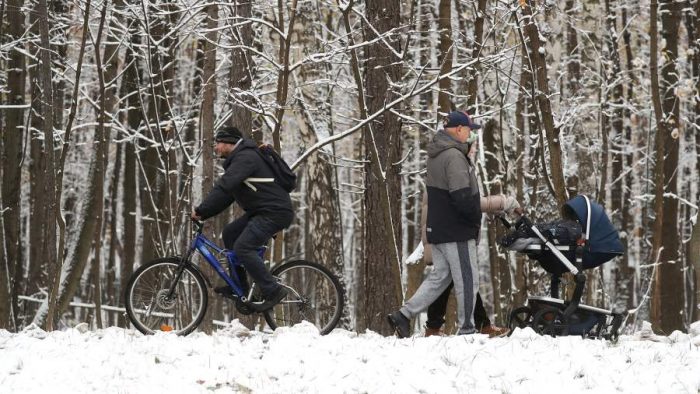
(472, 137)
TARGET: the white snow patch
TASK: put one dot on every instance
(298, 359)
(694, 329)
(234, 330)
(82, 327)
(416, 256)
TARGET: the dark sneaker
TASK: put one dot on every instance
(269, 300)
(225, 291)
(400, 324)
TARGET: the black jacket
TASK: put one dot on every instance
(249, 181)
(454, 202)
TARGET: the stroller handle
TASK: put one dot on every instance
(505, 221)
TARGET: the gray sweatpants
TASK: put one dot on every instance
(451, 261)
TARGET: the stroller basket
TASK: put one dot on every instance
(583, 239)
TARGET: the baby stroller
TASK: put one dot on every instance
(583, 239)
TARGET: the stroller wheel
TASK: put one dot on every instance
(550, 321)
(519, 318)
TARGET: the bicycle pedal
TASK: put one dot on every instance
(225, 292)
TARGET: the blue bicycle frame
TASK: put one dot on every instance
(204, 246)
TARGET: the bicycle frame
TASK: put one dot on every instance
(204, 246)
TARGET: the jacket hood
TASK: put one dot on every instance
(443, 141)
(245, 143)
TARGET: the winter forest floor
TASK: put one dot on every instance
(297, 359)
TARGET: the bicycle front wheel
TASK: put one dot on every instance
(151, 309)
(314, 294)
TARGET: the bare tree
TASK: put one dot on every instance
(445, 55)
(670, 271)
(539, 64)
(134, 118)
(49, 228)
(207, 123)
(381, 265)
(12, 140)
(326, 244)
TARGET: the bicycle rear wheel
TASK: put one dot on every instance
(149, 308)
(314, 295)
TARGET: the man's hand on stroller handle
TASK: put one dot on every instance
(511, 206)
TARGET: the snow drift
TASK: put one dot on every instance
(298, 359)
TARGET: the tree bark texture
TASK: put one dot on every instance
(241, 77)
(207, 124)
(156, 189)
(476, 53)
(538, 60)
(134, 119)
(49, 211)
(445, 56)
(325, 245)
(381, 262)
(12, 140)
(37, 276)
(672, 299)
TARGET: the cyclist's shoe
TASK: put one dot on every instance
(400, 324)
(225, 291)
(269, 300)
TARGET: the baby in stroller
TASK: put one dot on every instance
(583, 239)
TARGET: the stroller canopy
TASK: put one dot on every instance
(603, 240)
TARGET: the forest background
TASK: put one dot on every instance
(109, 108)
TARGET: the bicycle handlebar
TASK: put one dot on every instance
(198, 224)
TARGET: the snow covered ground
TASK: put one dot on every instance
(297, 359)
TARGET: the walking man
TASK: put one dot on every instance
(454, 218)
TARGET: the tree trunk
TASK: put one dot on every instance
(90, 222)
(522, 134)
(156, 201)
(134, 115)
(491, 187)
(241, 77)
(207, 124)
(113, 291)
(617, 141)
(476, 53)
(49, 211)
(694, 258)
(59, 12)
(627, 226)
(12, 140)
(539, 63)
(37, 275)
(672, 299)
(325, 245)
(381, 261)
(572, 52)
(445, 56)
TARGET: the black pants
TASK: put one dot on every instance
(245, 236)
(438, 309)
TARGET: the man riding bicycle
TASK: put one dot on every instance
(250, 181)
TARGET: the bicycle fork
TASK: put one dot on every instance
(180, 270)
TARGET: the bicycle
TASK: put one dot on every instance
(170, 294)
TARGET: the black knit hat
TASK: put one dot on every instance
(228, 134)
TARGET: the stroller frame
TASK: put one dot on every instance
(558, 317)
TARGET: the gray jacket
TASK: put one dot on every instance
(454, 202)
